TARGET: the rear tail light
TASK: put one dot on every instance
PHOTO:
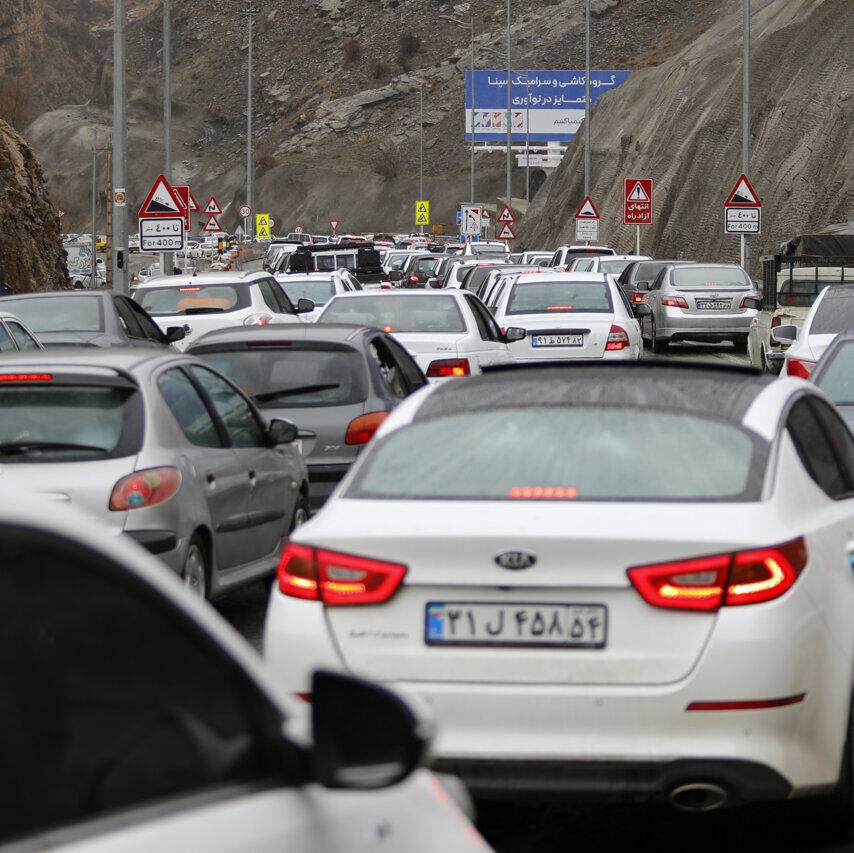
(257, 320)
(617, 339)
(336, 579)
(414, 279)
(145, 488)
(674, 301)
(800, 368)
(26, 377)
(776, 321)
(361, 430)
(707, 583)
(637, 297)
(444, 367)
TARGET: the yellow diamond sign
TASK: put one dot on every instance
(422, 212)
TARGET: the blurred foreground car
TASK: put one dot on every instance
(336, 383)
(89, 319)
(139, 721)
(159, 447)
(678, 630)
(449, 334)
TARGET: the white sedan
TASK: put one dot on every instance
(582, 620)
(319, 287)
(449, 333)
(567, 315)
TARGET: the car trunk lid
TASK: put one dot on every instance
(561, 335)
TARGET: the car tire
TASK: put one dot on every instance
(195, 572)
(660, 346)
(740, 343)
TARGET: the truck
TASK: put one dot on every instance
(792, 279)
(361, 258)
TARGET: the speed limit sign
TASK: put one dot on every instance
(245, 211)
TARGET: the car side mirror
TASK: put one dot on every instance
(174, 334)
(643, 285)
(365, 736)
(514, 333)
(396, 275)
(641, 309)
(304, 306)
(784, 335)
(281, 431)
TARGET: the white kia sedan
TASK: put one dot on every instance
(567, 315)
(449, 333)
(580, 619)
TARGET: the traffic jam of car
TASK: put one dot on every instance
(564, 524)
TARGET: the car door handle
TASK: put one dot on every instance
(211, 478)
(252, 478)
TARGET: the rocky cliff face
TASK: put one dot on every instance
(680, 124)
(31, 256)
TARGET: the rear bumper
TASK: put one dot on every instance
(322, 481)
(677, 324)
(615, 781)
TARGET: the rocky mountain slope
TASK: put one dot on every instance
(31, 255)
(337, 93)
(680, 123)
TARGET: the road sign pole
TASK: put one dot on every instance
(166, 262)
(94, 269)
(587, 102)
(745, 113)
(120, 131)
(471, 177)
(509, 115)
(637, 239)
(421, 146)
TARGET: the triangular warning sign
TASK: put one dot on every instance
(161, 200)
(506, 215)
(212, 207)
(506, 232)
(212, 224)
(637, 193)
(194, 205)
(743, 194)
(334, 223)
(422, 219)
(421, 207)
(587, 210)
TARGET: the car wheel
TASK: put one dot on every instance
(301, 513)
(659, 346)
(740, 343)
(195, 570)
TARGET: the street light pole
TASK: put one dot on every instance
(471, 168)
(745, 114)
(527, 139)
(249, 12)
(421, 147)
(509, 114)
(587, 101)
(166, 262)
(119, 149)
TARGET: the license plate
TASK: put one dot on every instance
(557, 340)
(713, 305)
(466, 623)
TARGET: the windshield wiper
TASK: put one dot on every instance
(287, 392)
(12, 448)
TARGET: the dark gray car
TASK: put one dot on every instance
(335, 382)
(637, 278)
(88, 318)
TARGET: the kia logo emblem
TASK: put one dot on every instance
(516, 560)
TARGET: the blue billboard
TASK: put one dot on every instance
(553, 101)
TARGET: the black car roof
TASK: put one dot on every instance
(708, 389)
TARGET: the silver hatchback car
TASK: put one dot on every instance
(160, 447)
(699, 302)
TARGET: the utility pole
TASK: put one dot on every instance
(250, 169)
(745, 115)
(471, 193)
(587, 101)
(527, 139)
(167, 264)
(94, 267)
(421, 147)
(509, 115)
(120, 132)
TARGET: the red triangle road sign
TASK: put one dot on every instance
(194, 205)
(161, 201)
(506, 232)
(212, 224)
(743, 194)
(588, 210)
(334, 223)
(212, 207)
(506, 215)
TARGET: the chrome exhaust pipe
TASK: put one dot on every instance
(698, 797)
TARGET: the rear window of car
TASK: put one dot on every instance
(397, 313)
(425, 266)
(296, 376)
(193, 299)
(715, 278)
(487, 249)
(57, 313)
(584, 453)
(530, 297)
(612, 267)
(45, 422)
(835, 313)
(799, 287)
(318, 291)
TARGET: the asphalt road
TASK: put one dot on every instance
(552, 827)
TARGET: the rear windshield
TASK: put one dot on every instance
(613, 267)
(57, 313)
(647, 272)
(799, 287)
(716, 278)
(193, 299)
(580, 297)
(425, 266)
(296, 376)
(51, 423)
(318, 291)
(834, 314)
(327, 263)
(396, 260)
(487, 249)
(585, 453)
(397, 313)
